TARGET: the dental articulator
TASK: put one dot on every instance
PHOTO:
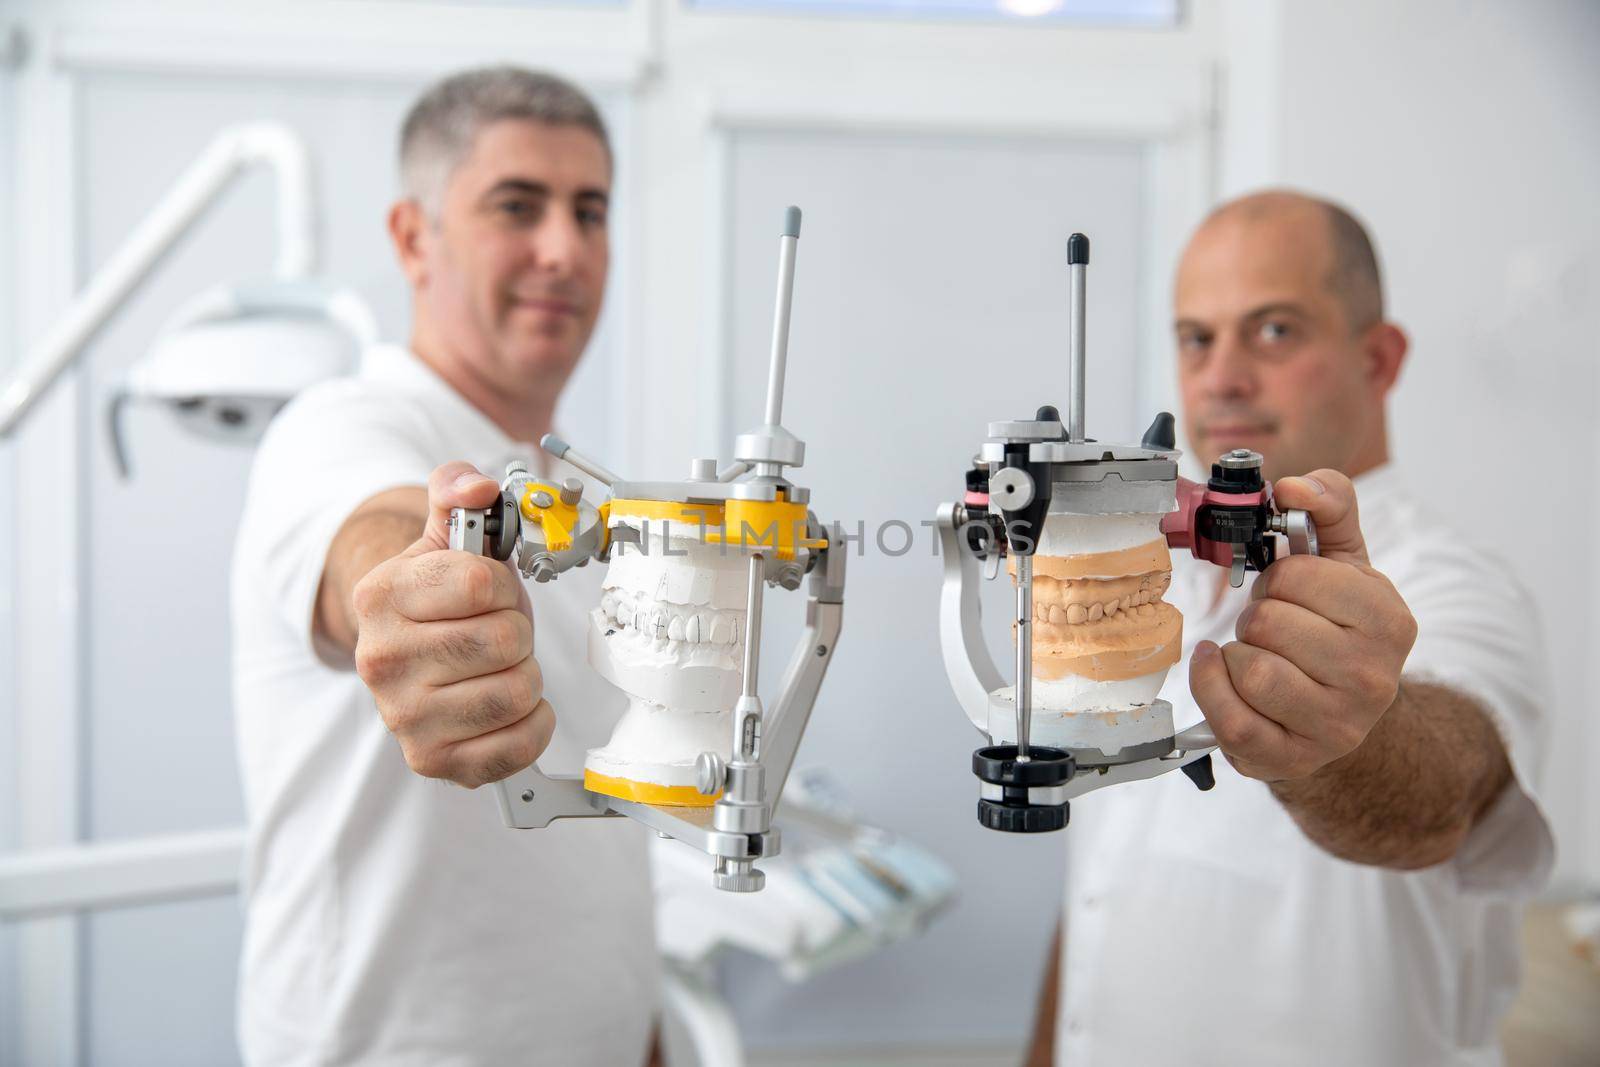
(695, 756)
(1085, 529)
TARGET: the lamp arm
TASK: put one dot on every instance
(234, 150)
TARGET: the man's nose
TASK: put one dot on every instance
(1230, 371)
(557, 243)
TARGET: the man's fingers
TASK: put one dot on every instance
(1331, 501)
(1346, 594)
(452, 485)
(502, 753)
(474, 707)
(1244, 734)
(452, 585)
(1296, 633)
(454, 650)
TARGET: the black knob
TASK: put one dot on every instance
(501, 525)
(1014, 820)
(1237, 472)
(1077, 249)
(1162, 435)
(1048, 413)
(1200, 773)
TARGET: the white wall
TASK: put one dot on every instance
(1467, 135)
(1437, 120)
(9, 1000)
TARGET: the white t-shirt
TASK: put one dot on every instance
(394, 919)
(1205, 928)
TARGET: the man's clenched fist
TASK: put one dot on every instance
(1319, 652)
(445, 643)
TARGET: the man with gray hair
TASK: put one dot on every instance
(394, 920)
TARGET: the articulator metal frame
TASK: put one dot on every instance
(550, 530)
(1032, 468)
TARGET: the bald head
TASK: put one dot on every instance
(1328, 231)
(1282, 342)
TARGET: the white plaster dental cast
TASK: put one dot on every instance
(669, 632)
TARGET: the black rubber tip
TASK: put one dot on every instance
(1201, 773)
(1161, 436)
(1048, 413)
(1077, 249)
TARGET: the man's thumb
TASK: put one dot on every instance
(1330, 499)
(451, 485)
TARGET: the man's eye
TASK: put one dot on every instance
(1193, 342)
(1272, 332)
(592, 217)
(518, 210)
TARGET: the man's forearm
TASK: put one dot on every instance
(380, 529)
(1406, 797)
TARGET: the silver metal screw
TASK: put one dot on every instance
(737, 876)
(709, 772)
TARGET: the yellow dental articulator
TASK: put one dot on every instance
(695, 756)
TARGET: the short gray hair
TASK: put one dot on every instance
(440, 127)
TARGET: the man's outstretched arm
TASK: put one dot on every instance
(1310, 699)
(1410, 793)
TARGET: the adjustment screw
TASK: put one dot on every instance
(541, 499)
(571, 491)
(710, 772)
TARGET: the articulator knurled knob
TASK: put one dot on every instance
(997, 765)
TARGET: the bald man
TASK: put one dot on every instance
(1350, 890)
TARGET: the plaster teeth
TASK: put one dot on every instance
(1095, 612)
(1077, 613)
(692, 629)
(1057, 616)
(721, 630)
(624, 613)
(675, 628)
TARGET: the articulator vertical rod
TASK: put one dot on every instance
(1077, 266)
(746, 733)
(780, 317)
(1024, 687)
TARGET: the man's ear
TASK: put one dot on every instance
(408, 229)
(1385, 345)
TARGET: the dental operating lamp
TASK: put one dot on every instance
(695, 756)
(1085, 528)
(229, 359)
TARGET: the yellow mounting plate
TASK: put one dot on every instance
(774, 526)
